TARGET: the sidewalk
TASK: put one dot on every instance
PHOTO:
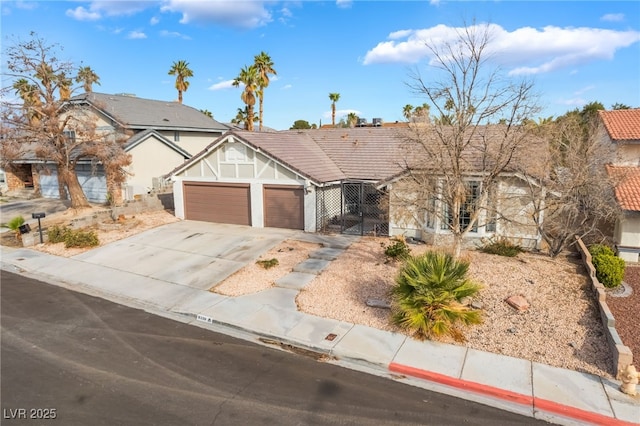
(270, 317)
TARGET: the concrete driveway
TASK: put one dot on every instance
(190, 253)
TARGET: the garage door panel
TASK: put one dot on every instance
(284, 207)
(217, 202)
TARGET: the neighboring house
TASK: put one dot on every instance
(622, 131)
(160, 136)
(317, 180)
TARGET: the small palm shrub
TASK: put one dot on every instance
(398, 250)
(14, 224)
(426, 296)
(502, 247)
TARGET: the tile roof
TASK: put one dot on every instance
(137, 113)
(628, 189)
(622, 124)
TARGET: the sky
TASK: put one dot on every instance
(574, 52)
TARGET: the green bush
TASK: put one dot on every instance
(57, 234)
(398, 250)
(426, 296)
(609, 269)
(502, 247)
(71, 237)
(597, 249)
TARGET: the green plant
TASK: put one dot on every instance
(597, 249)
(427, 296)
(397, 250)
(14, 224)
(268, 264)
(609, 269)
(71, 237)
(502, 247)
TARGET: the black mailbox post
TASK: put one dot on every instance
(39, 216)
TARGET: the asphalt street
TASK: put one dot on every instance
(84, 360)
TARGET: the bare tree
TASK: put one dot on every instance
(60, 131)
(456, 162)
(573, 195)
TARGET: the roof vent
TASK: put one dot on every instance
(361, 122)
(377, 122)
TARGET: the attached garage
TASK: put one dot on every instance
(217, 202)
(284, 207)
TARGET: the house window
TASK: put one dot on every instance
(466, 209)
(69, 135)
(235, 153)
(176, 136)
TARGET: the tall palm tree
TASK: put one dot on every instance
(249, 77)
(88, 78)
(182, 71)
(264, 64)
(407, 111)
(64, 86)
(334, 97)
(30, 95)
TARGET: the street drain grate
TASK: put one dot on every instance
(330, 337)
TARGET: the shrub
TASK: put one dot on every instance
(609, 269)
(398, 250)
(268, 264)
(15, 223)
(71, 237)
(427, 296)
(597, 249)
(502, 247)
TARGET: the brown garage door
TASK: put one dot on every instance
(217, 202)
(284, 207)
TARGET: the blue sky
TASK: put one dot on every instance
(575, 51)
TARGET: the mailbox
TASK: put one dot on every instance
(38, 215)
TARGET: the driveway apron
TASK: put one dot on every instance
(190, 253)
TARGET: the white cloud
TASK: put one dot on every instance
(82, 14)
(287, 87)
(341, 113)
(26, 5)
(524, 51)
(613, 17)
(226, 84)
(243, 14)
(583, 90)
(344, 4)
(174, 34)
(154, 20)
(136, 35)
(99, 9)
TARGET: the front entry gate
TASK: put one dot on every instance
(355, 208)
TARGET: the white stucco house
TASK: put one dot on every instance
(320, 180)
(622, 132)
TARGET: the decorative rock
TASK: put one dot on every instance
(378, 303)
(477, 305)
(518, 302)
(512, 330)
(465, 301)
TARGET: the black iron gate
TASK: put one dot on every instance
(351, 207)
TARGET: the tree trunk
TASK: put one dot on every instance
(260, 124)
(62, 188)
(76, 194)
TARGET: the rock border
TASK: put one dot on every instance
(622, 355)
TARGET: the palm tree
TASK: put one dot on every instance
(334, 97)
(407, 111)
(30, 95)
(181, 70)
(64, 86)
(207, 113)
(264, 64)
(241, 117)
(250, 79)
(427, 296)
(88, 78)
(352, 119)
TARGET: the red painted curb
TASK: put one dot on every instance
(541, 404)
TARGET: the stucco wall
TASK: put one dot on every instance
(192, 142)
(149, 160)
(627, 237)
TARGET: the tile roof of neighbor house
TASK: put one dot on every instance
(628, 189)
(139, 113)
(622, 124)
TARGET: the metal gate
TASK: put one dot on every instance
(352, 207)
